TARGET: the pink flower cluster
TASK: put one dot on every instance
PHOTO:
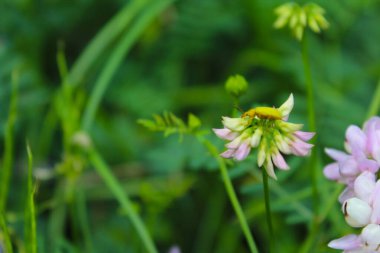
(272, 137)
(357, 168)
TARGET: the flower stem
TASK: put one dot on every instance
(8, 155)
(6, 240)
(375, 104)
(268, 210)
(312, 124)
(105, 173)
(30, 211)
(231, 194)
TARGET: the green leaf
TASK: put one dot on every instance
(151, 125)
(193, 121)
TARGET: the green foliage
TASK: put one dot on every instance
(150, 56)
(169, 124)
(236, 85)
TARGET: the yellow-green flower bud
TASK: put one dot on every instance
(298, 18)
(236, 85)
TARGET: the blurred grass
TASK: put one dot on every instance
(175, 59)
(30, 210)
(8, 156)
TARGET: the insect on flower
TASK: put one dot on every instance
(267, 129)
(263, 113)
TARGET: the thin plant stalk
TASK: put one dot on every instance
(57, 218)
(83, 219)
(375, 104)
(30, 211)
(105, 173)
(268, 211)
(231, 194)
(116, 58)
(7, 164)
(5, 233)
(103, 40)
(312, 124)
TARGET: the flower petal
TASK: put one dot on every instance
(375, 217)
(235, 143)
(287, 107)
(305, 136)
(262, 153)
(368, 165)
(300, 148)
(348, 242)
(282, 144)
(269, 168)
(331, 171)
(356, 138)
(364, 186)
(371, 235)
(256, 137)
(376, 146)
(225, 133)
(234, 124)
(347, 193)
(337, 155)
(279, 161)
(357, 212)
(243, 151)
(229, 153)
(349, 168)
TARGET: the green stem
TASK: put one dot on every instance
(231, 194)
(117, 57)
(8, 145)
(105, 173)
(30, 211)
(312, 124)
(81, 209)
(268, 211)
(103, 40)
(375, 104)
(7, 243)
(57, 218)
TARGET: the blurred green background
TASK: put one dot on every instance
(177, 62)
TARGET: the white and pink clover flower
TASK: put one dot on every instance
(367, 242)
(362, 154)
(272, 137)
(357, 168)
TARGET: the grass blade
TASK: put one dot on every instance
(6, 238)
(117, 56)
(30, 211)
(8, 145)
(105, 173)
(102, 40)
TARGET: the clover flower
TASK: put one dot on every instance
(299, 18)
(357, 168)
(363, 207)
(367, 242)
(362, 154)
(173, 249)
(265, 128)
